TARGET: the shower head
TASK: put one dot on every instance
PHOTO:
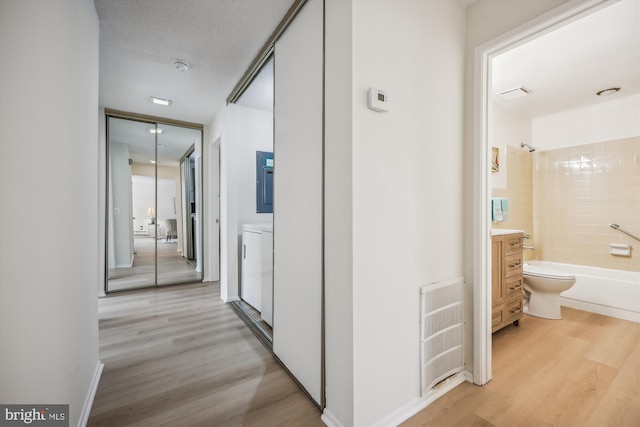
(528, 147)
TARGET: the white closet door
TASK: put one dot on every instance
(297, 232)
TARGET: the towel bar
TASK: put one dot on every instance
(617, 227)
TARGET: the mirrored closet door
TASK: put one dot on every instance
(153, 202)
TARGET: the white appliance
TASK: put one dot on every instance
(257, 268)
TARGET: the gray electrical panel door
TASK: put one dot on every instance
(264, 182)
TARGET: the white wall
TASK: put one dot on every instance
(252, 131)
(406, 176)
(506, 129)
(407, 188)
(164, 173)
(210, 209)
(49, 221)
(144, 190)
(338, 214)
(120, 208)
(616, 119)
(228, 221)
(242, 131)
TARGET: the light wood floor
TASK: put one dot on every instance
(581, 371)
(179, 356)
(172, 266)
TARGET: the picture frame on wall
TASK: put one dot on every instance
(495, 159)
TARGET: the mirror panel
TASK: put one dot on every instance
(148, 215)
(131, 199)
(178, 207)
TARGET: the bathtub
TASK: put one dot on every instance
(613, 293)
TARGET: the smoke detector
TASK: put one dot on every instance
(181, 65)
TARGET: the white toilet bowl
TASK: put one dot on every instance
(544, 286)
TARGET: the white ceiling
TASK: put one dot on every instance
(259, 94)
(139, 39)
(565, 68)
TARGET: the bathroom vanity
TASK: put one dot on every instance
(507, 283)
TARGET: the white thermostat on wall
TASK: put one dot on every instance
(378, 100)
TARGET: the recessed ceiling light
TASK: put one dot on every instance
(515, 93)
(160, 101)
(607, 92)
(181, 65)
(158, 131)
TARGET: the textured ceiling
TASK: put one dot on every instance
(259, 94)
(139, 39)
(566, 67)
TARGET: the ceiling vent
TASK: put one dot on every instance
(516, 93)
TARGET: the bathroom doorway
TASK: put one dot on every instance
(506, 124)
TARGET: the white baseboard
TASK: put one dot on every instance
(125, 265)
(88, 402)
(619, 313)
(413, 407)
(329, 419)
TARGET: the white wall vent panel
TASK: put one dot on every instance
(441, 331)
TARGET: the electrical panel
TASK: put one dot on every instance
(264, 182)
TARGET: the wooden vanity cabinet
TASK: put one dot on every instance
(507, 284)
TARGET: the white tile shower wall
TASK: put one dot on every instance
(577, 192)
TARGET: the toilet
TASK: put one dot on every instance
(543, 286)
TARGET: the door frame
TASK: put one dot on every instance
(483, 55)
(213, 214)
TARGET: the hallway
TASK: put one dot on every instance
(178, 355)
(172, 266)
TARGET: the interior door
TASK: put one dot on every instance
(297, 228)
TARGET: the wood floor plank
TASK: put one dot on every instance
(583, 370)
(179, 356)
(620, 405)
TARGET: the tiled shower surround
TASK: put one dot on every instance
(577, 192)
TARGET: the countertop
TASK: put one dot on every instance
(503, 231)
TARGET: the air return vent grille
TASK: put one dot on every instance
(441, 331)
